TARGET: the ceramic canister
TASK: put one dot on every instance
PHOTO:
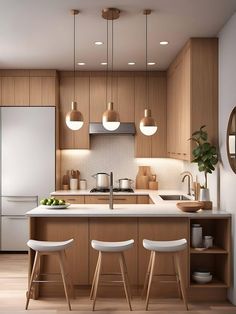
(196, 236)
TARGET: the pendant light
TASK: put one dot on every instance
(110, 118)
(147, 125)
(74, 118)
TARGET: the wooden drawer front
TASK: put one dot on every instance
(73, 199)
(104, 199)
(142, 199)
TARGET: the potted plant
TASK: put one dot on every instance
(205, 155)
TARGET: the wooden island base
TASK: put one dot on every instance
(82, 258)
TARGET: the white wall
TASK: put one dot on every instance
(116, 153)
(227, 100)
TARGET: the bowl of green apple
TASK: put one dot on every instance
(53, 203)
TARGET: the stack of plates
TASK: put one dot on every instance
(202, 277)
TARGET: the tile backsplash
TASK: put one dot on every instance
(116, 153)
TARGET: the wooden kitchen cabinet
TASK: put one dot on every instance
(98, 90)
(15, 91)
(72, 199)
(43, 91)
(151, 146)
(70, 139)
(125, 96)
(104, 199)
(192, 95)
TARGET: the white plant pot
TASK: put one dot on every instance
(204, 195)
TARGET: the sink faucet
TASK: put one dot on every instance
(111, 192)
(188, 175)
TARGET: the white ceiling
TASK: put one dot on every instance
(39, 33)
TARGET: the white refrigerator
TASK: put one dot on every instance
(27, 167)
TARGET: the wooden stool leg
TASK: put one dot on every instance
(150, 278)
(94, 278)
(65, 261)
(177, 277)
(63, 275)
(147, 275)
(126, 274)
(124, 281)
(181, 277)
(97, 280)
(36, 260)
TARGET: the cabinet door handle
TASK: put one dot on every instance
(72, 199)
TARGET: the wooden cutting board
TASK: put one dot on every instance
(143, 177)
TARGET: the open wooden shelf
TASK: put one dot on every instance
(213, 250)
(215, 283)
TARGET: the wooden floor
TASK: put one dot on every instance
(13, 285)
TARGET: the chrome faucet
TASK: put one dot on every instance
(111, 192)
(188, 175)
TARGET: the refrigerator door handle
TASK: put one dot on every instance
(22, 199)
(15, 218)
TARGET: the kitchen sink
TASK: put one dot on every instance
(174, 197)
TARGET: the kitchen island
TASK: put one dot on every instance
(159, 221)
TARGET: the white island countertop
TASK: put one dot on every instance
(123, 210)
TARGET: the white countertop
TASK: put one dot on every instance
(160, 208)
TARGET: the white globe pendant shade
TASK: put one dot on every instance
(148, 125)
(110, 118)
(74, 118)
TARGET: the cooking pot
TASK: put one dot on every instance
(102, 180)
(125, 183)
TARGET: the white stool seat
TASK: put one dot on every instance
(165, 246)
(112, 246)
(49, 246)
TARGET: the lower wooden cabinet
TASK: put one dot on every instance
(73, 199)
(82, 258)
(104, 199)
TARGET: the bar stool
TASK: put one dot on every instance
(115, 248)
(49, 248)
(173, 248)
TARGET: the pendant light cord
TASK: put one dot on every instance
(107, 65)
(74, 56)
(112, 57)
(147, 83)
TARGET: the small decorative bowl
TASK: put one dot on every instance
(190, 207)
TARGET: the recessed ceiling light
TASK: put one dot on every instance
(103, 63)
(164, 43)
(98, 43)
(151, 63)
(81, 63)
(131, 63)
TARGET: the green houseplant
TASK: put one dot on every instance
(204, 153)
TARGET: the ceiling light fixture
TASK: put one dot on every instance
(164, 43)
(151, 63)
(98, 43)
(131, 63)
(74, 118)
(147, 124)
(110, 118)
(103, 63)
(81, 63)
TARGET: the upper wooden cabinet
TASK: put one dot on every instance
(74, 139)
(29, 88)
(192, 95)
(153, 146)
(125, 96)
(15, 91)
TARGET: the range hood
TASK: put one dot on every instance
(124, 128)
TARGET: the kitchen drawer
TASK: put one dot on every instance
(14, 233)
(104, 199)
(18, 205)
(73, 199)
(142, 199)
